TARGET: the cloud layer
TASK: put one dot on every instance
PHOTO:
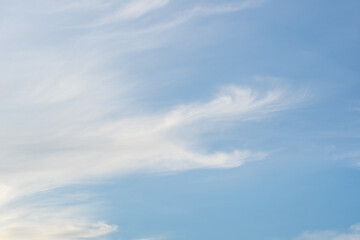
(65, 118)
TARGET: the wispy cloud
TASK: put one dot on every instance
(352, 234)
(172, 19)
(73, 149)
(153, 142)
(45, 224)
(351, 155)
(133, 10)
(69, 101)
(65, 117)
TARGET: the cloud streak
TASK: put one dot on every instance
(66, 118)
(153, 142)
(55, 120)
(352, 234)
(46, 224)
(170, 21)
(133, 10)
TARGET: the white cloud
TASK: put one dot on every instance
(42, 157)
(67, 151)
(352, 234)
(55, 134)
(173, 18)
(47, 224)
(133, 10)
(353, 156)
(66, 118)
(355, 227)
(55, 127)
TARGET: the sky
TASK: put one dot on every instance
(179, 120)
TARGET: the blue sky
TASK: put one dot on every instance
(179, 120)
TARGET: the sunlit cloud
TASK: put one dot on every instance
(66, 117)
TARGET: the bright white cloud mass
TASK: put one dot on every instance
(68, 117)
